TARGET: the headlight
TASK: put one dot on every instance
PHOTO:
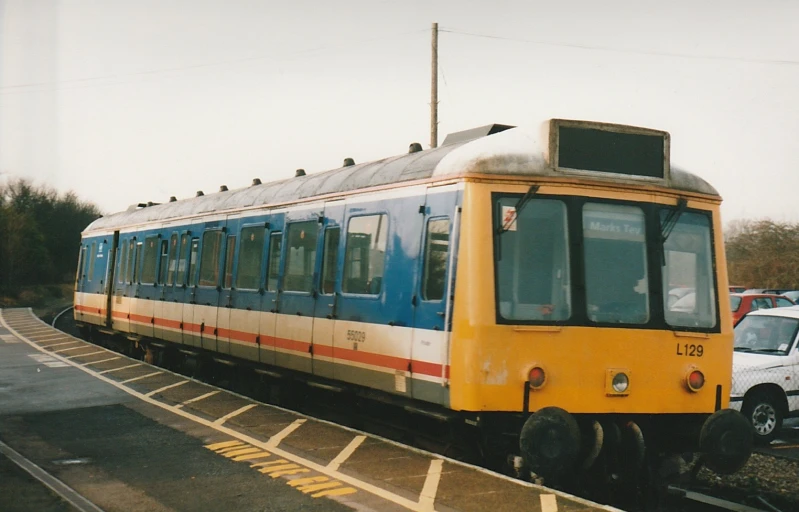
(620, 382)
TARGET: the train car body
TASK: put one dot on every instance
(516, 278)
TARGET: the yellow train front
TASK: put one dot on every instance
(590, 293)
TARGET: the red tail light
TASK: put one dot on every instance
(537, 377)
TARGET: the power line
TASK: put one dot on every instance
(53, 85)
(621, 50)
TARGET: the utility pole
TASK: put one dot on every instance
(434, 91)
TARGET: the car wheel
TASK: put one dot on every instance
(765, 415)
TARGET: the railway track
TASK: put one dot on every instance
(418, 431)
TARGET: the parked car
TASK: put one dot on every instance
(792, 294)
(737, 289)
(743, 303)
(765, 369)
(770, 291)
(676, 294)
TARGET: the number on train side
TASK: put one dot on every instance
(690, 350)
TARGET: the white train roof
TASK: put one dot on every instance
(493, 150)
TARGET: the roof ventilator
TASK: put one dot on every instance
(172, 199)
(199, 193)
(475, 133)
(223, 188)
(256, 181)
(348, 162)
(415, 147)
(299, 172)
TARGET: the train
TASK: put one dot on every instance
(514, 280)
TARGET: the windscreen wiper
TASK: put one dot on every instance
(768, 350)
(672, 218)
(520, 204)
(668, 226)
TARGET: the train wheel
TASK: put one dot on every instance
(765, 415)
(550, 443)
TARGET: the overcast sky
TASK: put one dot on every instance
(128, 101)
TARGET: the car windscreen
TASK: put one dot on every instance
(766, 334)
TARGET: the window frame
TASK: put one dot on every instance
(347, 247)
(219, 234)
(258, 281)
(426, 258)
(579, 317)
(309, 278)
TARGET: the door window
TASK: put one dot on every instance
(231, 248)
(173, 255)
(211, 256)
(92, 255)
(330, 260)
(365, 254)
(436, 249)
(251, 250)
(150, 259)
(300, 256)
(273, 265)
(195, 248)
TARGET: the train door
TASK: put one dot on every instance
(432, 314)
(294, 329)
(187, 273)
(123, 288)
(146, 288)
(168, 310)
(327, 289)
(372, 342)
(224, 333)
(110, 281)
(80, 283)
(246, 292)
(270, 301)
(208, 285)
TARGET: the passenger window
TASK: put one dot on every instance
(300, 256)
(150, 259)
(763, 303)
(211, 255)
(436, 248)
(330, 260)
(251, 250)
(231, 249)
(191, 273)
(365, 255)
(273, 265)
(782, 303)
(92, 256)
(173, 254)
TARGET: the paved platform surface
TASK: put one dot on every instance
(83, 428)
